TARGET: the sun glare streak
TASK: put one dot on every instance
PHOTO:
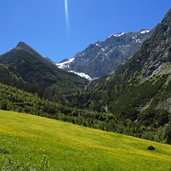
(66, 14)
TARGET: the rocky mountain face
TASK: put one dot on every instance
(144, 81)
(105, 56)
(28, 70)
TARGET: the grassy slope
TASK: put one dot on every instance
(72, 147)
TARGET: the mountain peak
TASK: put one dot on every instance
(23, 46)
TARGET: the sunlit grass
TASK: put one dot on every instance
(28, 138)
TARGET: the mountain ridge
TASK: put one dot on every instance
(103, 57)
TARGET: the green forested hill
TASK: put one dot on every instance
(36, 143)
(17, 100)
(36, 74)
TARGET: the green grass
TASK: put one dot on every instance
(26, 139)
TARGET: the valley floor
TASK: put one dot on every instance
(27, 139)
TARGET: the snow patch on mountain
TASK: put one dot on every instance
(138, 41)
(65, 64)
(119, 34)
(81, 74)
(116, 35)
(144, 31)
(97, 44)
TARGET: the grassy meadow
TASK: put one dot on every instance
(28, 140)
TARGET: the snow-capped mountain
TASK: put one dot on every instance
(102, 57)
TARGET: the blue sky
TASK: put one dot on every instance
(41, 23)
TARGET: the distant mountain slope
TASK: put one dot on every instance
(38, 74)
(103, 57)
